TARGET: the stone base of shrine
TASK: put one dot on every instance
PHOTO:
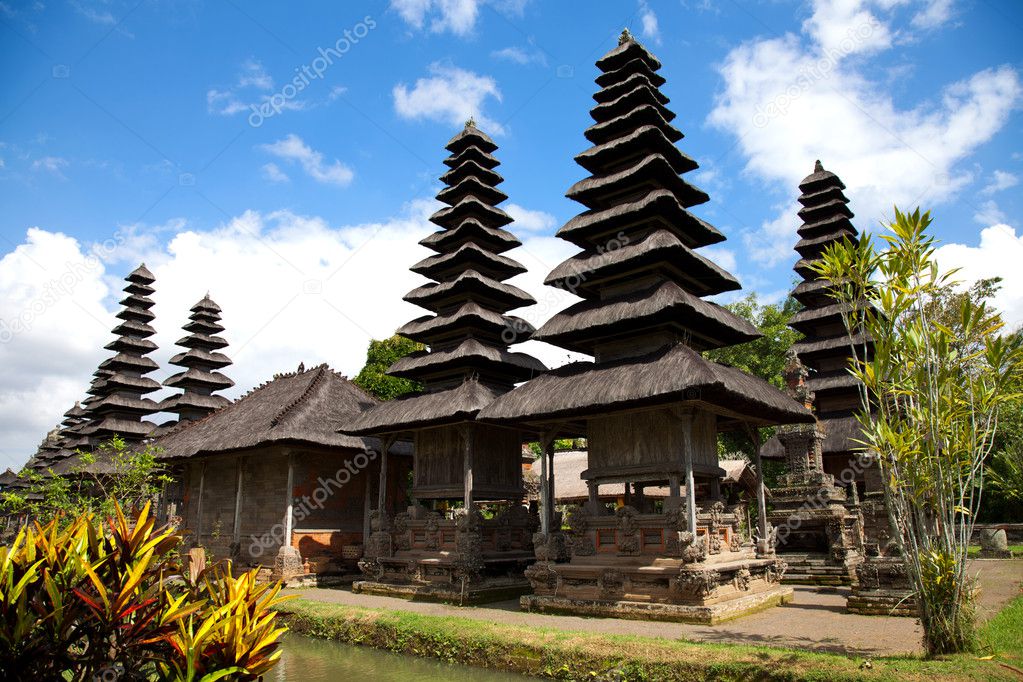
(709, 614)
(882, 603)
(883, 589)
(491, 590)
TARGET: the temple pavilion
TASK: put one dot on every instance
(443, 547)
(649, 403)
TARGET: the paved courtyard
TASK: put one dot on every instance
(815, 620)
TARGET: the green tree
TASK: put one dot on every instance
(931, 395)
(763, 357)
(373, 379)
(115, 473)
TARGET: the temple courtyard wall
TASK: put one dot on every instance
(328, 504)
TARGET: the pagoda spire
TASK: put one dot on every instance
(202, 359)
(117, 406)
(468, 332)
(824, 349)
(639, 270)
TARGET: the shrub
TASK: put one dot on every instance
(107, 597)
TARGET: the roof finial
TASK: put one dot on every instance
(817, 167)
(301, 367)
(625, 37)
(471, 123)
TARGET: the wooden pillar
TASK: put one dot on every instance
(469, 434)
(382, 493)
(674, 486)
(237, 536)
(546, 450)
(763, 547)
(366, 507)
(687, 463)
(594, 494)
(198, 510)
(290, 509)
(628, 493)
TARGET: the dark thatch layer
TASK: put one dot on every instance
(580, 326)
(468, 354)
(659, 207)
(842, 435)
(423, 410)
(674, 374)
(304, 408)
(661, 249)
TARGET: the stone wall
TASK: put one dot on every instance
(329, 488)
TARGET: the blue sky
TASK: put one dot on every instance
(127, 132)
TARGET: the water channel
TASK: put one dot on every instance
(306, 659)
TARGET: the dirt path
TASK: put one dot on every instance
(815, 620)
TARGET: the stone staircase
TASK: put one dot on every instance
(812, 568)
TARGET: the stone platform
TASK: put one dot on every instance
(475, 593)
(708, 614)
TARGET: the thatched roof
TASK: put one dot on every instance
(673, 374)
(469, 354)
(569, 485)
(588, 270)
(654, 172)
(664, 306)
(658, 209)
(422, 410)
(301, 408)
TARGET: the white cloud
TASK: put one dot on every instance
(845, 27)
(1000, 180)
(450, 95)
(648, 20)
(988, 213)
(102, 17)
(273, 173)
(293, 149)
(527, 220)
(934, 14)
(293, 289)
(457, 16)
(520, 55)
(51, 164)
(252, 88)
(998, 254)
(785, 98)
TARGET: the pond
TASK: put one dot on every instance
(307, 659)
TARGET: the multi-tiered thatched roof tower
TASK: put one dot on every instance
(825, 349)
(202, 359)
(650, 404)
(467, 365)
(117, 406)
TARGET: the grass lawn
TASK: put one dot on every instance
(569, 655)
(1017, 551)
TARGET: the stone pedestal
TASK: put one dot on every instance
(287, 564)
(467, 559)
(650, 567)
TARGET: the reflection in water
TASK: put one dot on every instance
(316, 660)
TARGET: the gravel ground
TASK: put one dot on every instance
(815, 620)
